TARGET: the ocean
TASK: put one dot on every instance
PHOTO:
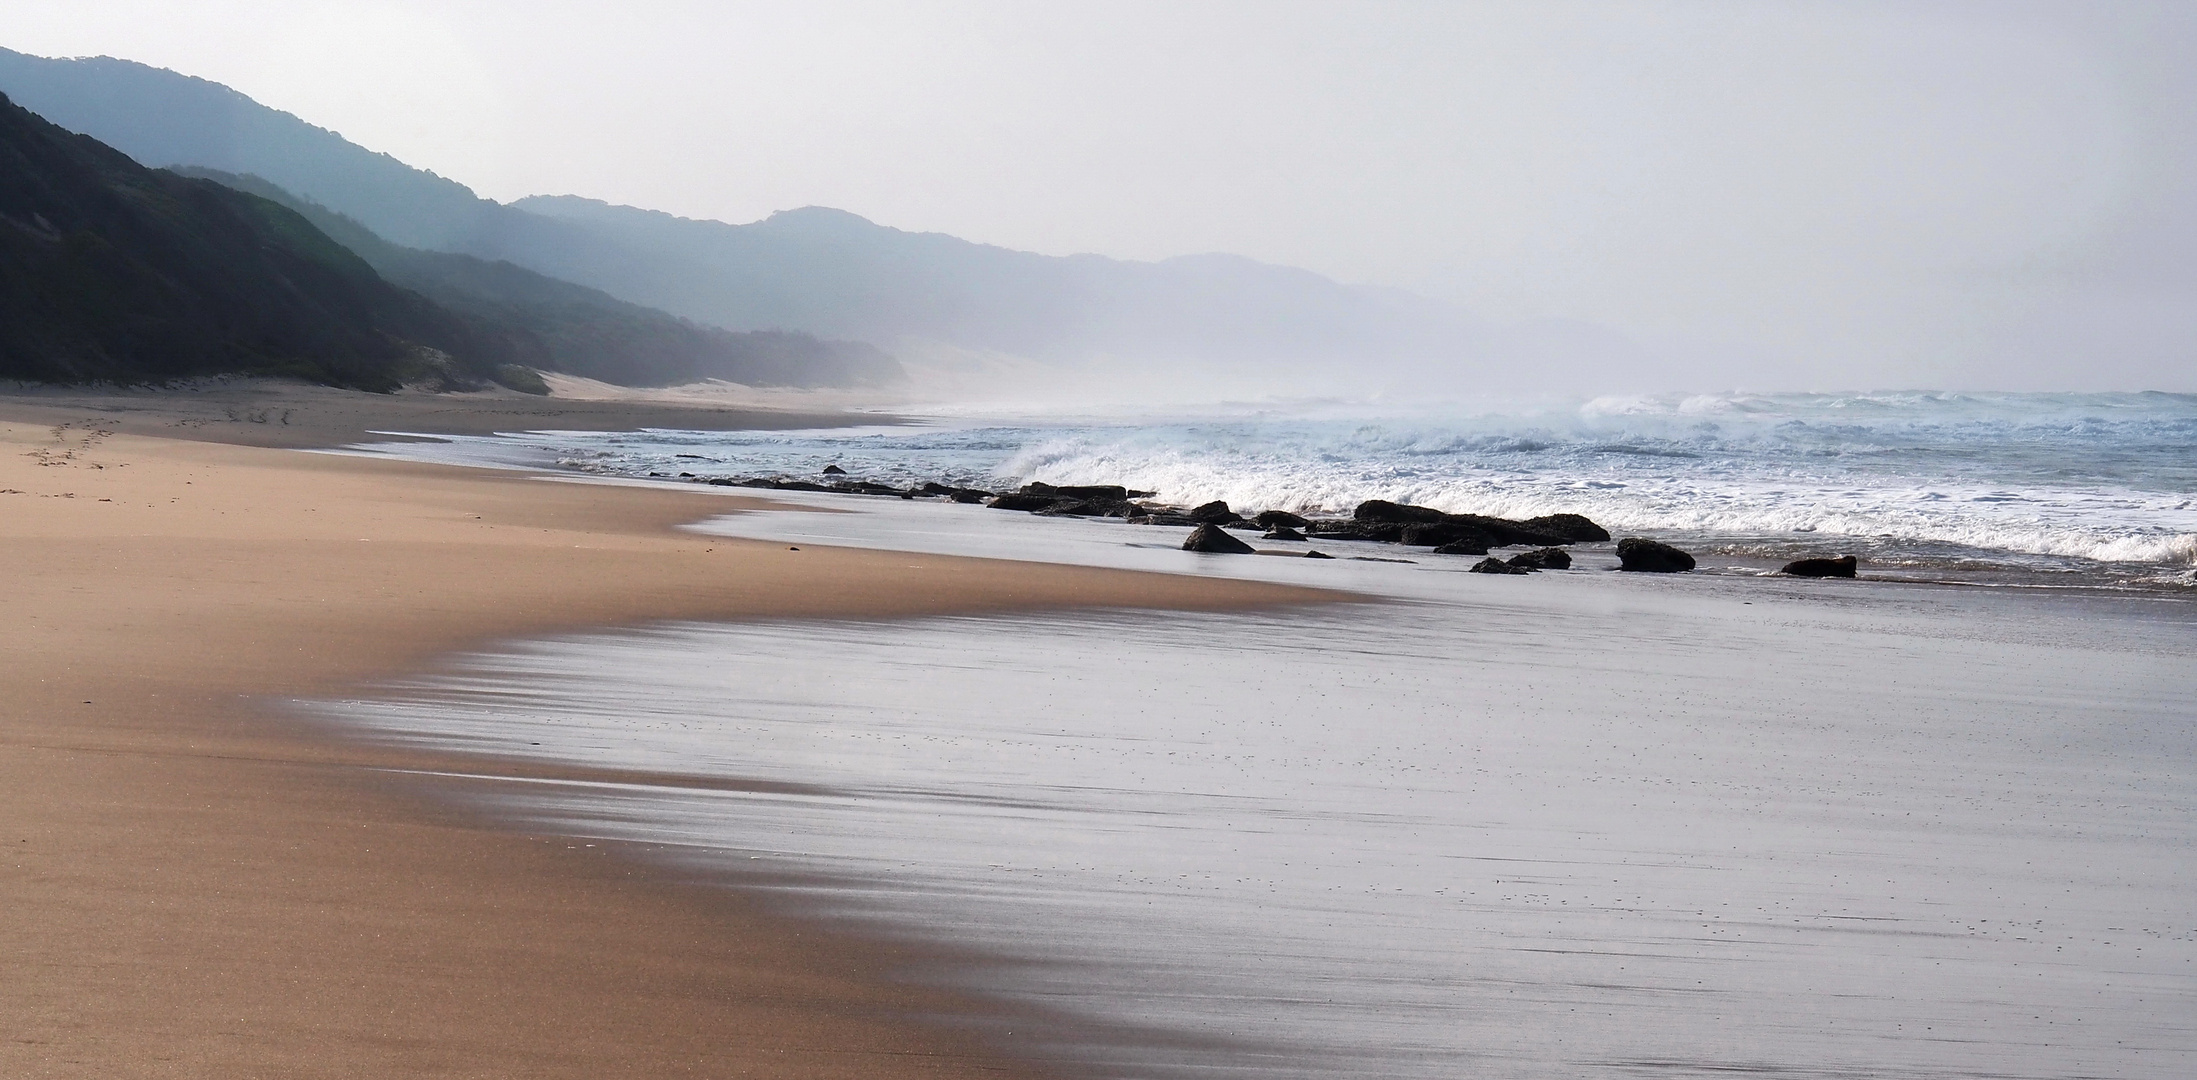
(1934, 822)
(2094, 490)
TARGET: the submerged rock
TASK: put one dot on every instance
(1651, 557)
(1843, 566)
(834, 470)
(1215, 540)
(1282, 532)
(1268, 519)
(1497, 566)
(1544, 559)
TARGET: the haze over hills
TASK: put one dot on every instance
(816, 270)
(559, 326)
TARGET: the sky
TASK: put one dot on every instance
(1998, 195)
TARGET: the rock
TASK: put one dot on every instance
(934, 488)
(969, 495)
(1317, 555)
(1165, 517)
(834, 470)
(1650, 557)
(1843, 566)
(1381, 510)
(1214, 513)
(1281, 532)
(1503, 532)
(1101, 492)
(1086, 508)
(1573, 527)
(1469, 545)
(795, 485)
(1544, 559)
(1023, 502)
(1356, 530)
(1497, 566)
(1420, 534)
(1268, 519)
(1215, 540)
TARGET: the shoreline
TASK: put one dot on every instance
(203, 886)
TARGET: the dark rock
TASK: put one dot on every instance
(1474, 544)
(719, 481)
(1650, 557)
(1164, 517)
(1104, 492)
(834, 470)
(1442, 532)
(864, 487)
(1317, 555)
(1282, 532)
(1843, 566)
(1214, 513)
(1544, 559)
(1024, 502)
(1268, 519)
(970, 495)
(796, 485)
(1381, 510)
(1572, 527)
(1087, 508)
(1212, 538)
(1497, 566)
(1503, 532)
(934, 488)
(1388, 531)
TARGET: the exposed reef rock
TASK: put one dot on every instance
(1651, 557)
(1497, 566)
(1544, 559)
(1843, 566)
(1215, 540)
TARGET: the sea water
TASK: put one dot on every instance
(2086, 489)
(1567, 824)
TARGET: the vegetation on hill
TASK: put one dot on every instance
(554, 325)
(110, 271)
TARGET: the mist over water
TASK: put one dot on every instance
(2037, 488)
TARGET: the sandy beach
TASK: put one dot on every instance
(196, 884)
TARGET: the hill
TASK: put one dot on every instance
(815, 270)
(559, 326)
(113, 271)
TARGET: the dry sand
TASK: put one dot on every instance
(192, 884)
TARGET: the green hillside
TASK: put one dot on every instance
(110, 271)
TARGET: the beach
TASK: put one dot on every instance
(377, 764)
(201, 885)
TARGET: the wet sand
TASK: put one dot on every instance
(193, 884)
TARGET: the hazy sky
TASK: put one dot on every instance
(1891, 194)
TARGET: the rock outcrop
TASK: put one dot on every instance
(1544, 559)
(1497, 566)
(1843, 566)
(1215, 540)
(1651, 557)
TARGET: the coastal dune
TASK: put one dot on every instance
(194, 883)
